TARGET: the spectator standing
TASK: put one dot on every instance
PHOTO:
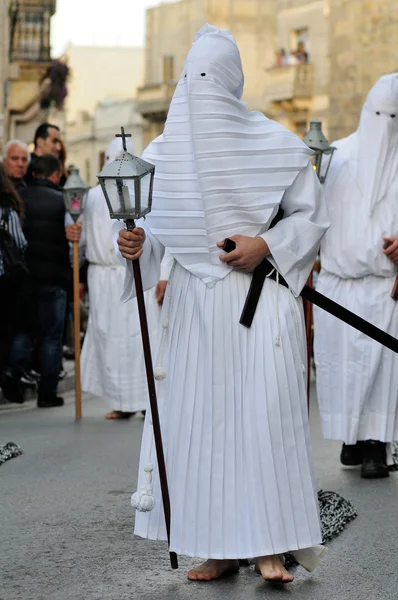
(301, 54)
(42, 310)
(16, 162)
(47, 141)
(11, 213)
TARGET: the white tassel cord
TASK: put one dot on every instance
(143, 500)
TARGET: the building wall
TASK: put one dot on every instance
(261, 28)
(30, 56)
(99, 73)
(363, 46)
(171, 28)
(90, 135)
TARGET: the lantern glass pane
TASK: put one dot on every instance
(324, 167)
(120, 194)
(145, 193)
(316, 160)
(74, 201)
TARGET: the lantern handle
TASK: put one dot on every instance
(123, 136)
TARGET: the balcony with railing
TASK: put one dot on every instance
(290, 82)
(30, 30)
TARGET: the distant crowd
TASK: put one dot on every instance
(35, 269)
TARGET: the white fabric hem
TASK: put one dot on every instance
(306, 555)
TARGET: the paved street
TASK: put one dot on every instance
(66, 522)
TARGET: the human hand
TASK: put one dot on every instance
(130, 243)
(160, 291)
(73, 232)
(249, 253)
(391, 249)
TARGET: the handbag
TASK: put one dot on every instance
(13, 258)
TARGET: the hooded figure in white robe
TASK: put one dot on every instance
(357, 378)
(233, 400)
(112, 356)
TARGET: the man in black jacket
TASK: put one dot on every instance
(43, 302)
(47, 141)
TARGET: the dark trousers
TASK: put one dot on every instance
(41, 320)
(8, 297)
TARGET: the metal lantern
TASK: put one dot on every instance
(127, 184)
(75, 193)
(323, 151)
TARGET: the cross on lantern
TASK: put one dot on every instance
(123, 136)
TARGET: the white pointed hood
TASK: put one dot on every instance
(373, 149)
(220, 168)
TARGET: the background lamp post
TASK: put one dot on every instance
(323, 151)
(75, 193)
(127, 185)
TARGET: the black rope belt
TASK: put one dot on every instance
(265, 269)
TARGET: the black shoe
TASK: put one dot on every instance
(12, 389)
(49, 401)
(351, 454)
(374, 463)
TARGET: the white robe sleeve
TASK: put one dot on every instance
(294, 241)
(150, 262)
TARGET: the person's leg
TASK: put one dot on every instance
(6, 321)
(22, 320)
(51, 313)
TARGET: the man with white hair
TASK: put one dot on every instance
(232, 400)
(16, 162)
(357, 378)
(112, 357)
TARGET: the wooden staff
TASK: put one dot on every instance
(76, 323)
(308, 316)
(157, 434)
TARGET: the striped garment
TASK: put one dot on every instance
(15, 230)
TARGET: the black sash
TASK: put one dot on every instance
(265, 269)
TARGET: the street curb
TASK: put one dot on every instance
(66, 385)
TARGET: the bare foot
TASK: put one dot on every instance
(271, 569)
(118, 414)
(213, 569)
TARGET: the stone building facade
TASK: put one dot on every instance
(30, 57)
(363, 46)
(292, 93)
(350, 44)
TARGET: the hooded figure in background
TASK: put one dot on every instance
(232, 400)
(112, 357)
(357, 378)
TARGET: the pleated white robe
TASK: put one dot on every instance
(357, 378)
(233, 405)
(112, 356)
